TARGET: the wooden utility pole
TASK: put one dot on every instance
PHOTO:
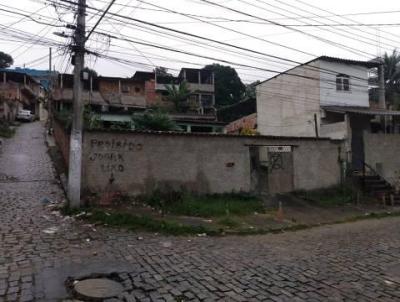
(75, 153)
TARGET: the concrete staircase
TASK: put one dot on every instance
(376, 186)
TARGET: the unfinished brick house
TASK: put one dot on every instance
(18, 91)
(115, 99)
(200, 113)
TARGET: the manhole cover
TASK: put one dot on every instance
(98, 288)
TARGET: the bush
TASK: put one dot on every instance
(154, 120)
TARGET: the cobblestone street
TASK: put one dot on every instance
(39, 250)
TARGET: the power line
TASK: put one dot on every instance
(225, 61)
(193, 35)
(98, 21)
(327, 41)
(341, 32)
(344, 17)
(269, 70)
(208, 39)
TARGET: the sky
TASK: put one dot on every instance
(265, 36)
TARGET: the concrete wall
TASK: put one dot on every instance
(382, 153)
(139, 163)
(334, 130)
(357, 96)
(286, 104)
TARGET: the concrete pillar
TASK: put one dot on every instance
(382, 100)
(199, 76)
(381, 76)
(61, 81)
(4, 77)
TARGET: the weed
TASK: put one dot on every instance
(228, 222)
(134, 222)
(181, 203)
(6, 131)
(333, 196)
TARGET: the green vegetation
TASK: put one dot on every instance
(228, 221)
(178, 95)
(135, 222)
(155, 120)
(333, 196)
(5, 130)
(229, 88)
(180, 203)
(392, 78)
(91, 119)
(5, 60)
(64, 117)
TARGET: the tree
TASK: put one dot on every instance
(251, 89)
(229, 88)
(162, 71)
(392, 77)
(92, 73)
(5, 60)
(178, 95)
(154, 120)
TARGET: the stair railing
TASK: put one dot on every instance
(374, 173)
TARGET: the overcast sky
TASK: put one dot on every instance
(362, 42)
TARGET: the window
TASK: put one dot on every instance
(137, 89)
(342, 82)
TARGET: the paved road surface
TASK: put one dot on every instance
(347, 262)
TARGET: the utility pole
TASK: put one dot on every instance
(49, 94)
(75, 153)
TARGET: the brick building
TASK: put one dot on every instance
(18, 91)
(116, 99)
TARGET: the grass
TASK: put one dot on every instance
(333, 196)
(229, 222)
(206, 206)
(134, 222)
(145, 223)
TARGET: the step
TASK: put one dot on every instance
(368, 181)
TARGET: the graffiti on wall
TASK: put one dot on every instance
(110, 154)
(276, 161)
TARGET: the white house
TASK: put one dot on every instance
(325, 97)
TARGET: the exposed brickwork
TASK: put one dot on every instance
(246, 122)
(62, 140)
(151, 95)
(128, 87)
